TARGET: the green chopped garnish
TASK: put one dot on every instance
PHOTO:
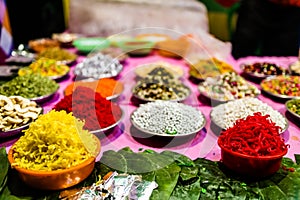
(171, 132)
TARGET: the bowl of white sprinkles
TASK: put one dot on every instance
(168, 119)
(98, 66)
(225, 115)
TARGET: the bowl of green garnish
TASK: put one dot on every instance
(89, 44)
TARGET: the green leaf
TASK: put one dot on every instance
(190, 192)
(114, 160)
(288, 162)
(166, 178)
(136, 162)
(150, 176)
(188, 173)
(182, 160)
(6, 195)
(4, 165)
(158, 160)
(290, 185)
(297, 158)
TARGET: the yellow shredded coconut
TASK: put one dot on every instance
(53, 142)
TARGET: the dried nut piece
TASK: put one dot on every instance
(17, 111)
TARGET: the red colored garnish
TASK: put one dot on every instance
(90, 106)
(290, 169)
(256, 135)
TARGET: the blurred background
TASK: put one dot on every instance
(36, 19)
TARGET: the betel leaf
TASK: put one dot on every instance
(181, 160)
(268, 190)
(19, 189)
(188, 173)
(4, 165)
(126, 149)
(297, 158)
(152, 166)
(209, 168)
(290, 185)
(114, 160)
(166, 178)
(137, 163)
(288, 162)
(150, 176)
(219, 183)
(5, 195)
(215, 184)
(215, 181)
(190, 192)
(159, 160)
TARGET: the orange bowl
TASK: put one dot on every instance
(254, 167)
(59, 179)
(173, 48)
(41, 44)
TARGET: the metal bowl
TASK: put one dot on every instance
(108, 128)
(297, 116)
(44, 98)
(280, 96)
(17, 130)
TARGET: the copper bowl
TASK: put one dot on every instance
(58, 179)
(38, 45)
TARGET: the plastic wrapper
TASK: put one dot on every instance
(116, 187)
(205, 46)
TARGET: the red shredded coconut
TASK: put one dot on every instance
(90, 106)
(255, 135)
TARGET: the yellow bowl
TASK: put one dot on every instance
(59, 179)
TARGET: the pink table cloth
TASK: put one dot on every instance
(204, 143)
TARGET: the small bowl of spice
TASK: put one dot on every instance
(62, 56)
(108, 88)
(98, 66)
(261, 70)
(293, 107)
(143, 70)
(46, 67)
(32, 86)
(253, 147)
(282, 87)
(160, 84)
(55, 152)
(100, 114)
(226, 87)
